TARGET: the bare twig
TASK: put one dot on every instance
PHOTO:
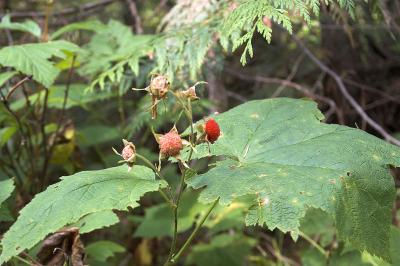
(43, 132)
(60, 118)
(286, 83)
(290, 77)
(392, 98)
(67, 11)
(16, 86)
(345, 92)
(135, 15)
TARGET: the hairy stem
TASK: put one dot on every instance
(158, 173)
(313, 243)
(193, 234)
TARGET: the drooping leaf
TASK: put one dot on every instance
(74, 197)
(280, 152)
(34, 59)
(223, 250)
(27, 26)
(6, 188)
(102, 250)
(96, 220)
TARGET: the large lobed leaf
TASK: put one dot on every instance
(280, 152)
(34, 59)
(74, 197)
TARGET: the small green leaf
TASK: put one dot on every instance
(27, 26)
(74, 197)
(34, 59)
(96, 220)
(102, 250)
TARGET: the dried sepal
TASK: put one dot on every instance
(158, 89)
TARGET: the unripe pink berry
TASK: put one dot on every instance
(170, 143)
(127, 153)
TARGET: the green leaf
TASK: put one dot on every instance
(91, 25)
(74, 197)
(102, 250)
(96, 220)
(6, 188)
(34, 59)
(27, 26)
(6, 76)
(280, 152)
(223, 250)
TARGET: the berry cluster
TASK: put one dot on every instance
(171, 143)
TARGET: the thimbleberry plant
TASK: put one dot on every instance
(275, 152)
(265, 167)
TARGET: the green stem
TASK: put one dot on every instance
(193, 234)
(147, 162)
(313, 243)
(177, 200)
(167, 199)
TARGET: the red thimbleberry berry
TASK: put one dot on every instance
(212, 130)
(170, 144)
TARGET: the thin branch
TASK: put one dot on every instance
(135, 15)
(286, 83)
(43, 132)
(67, 11)
(193, 234)
(315, 244)
(16, 86)
(345, 92)
(60, 117)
